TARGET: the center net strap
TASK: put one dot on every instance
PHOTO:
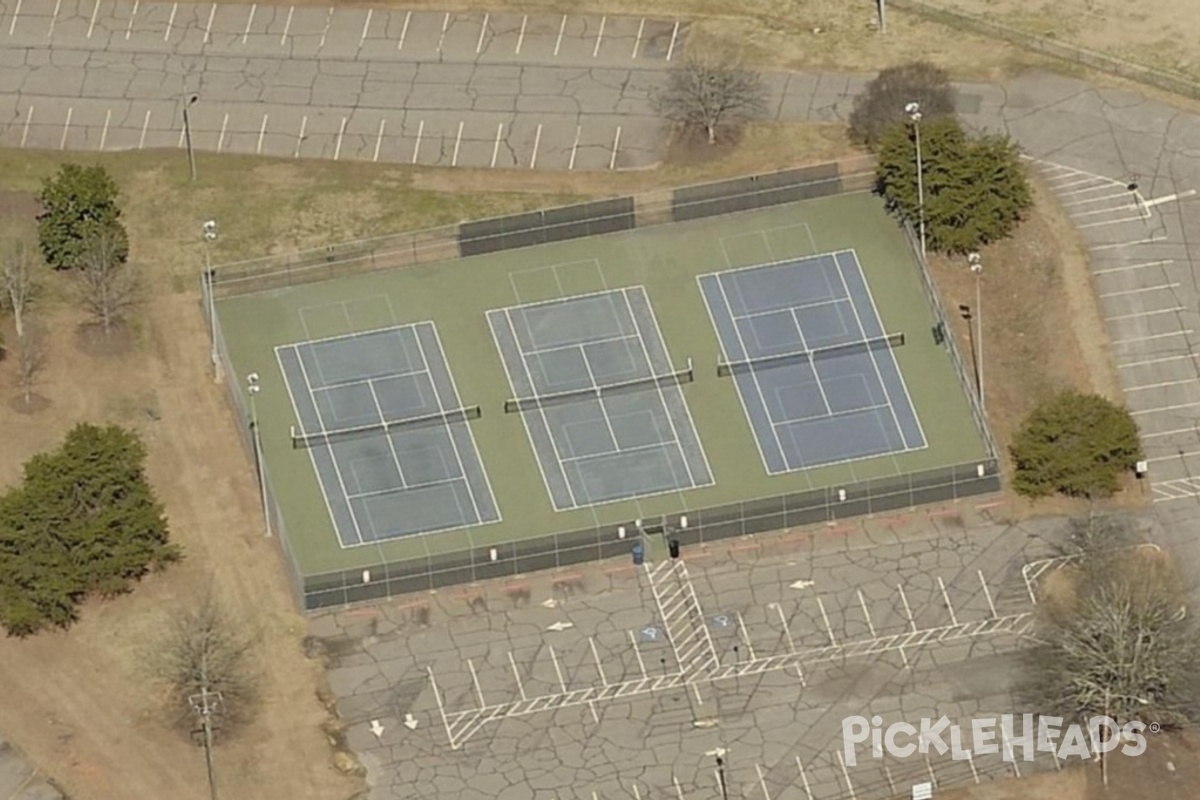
(301, 439)
(727, 368)
(518, 404)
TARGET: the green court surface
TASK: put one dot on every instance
(456, 295)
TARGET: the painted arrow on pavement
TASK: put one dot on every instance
(561, 626)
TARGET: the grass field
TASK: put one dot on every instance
(665, 260)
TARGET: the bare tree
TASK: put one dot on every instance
(18, 280)
(1116, 637)
(106, 283)
(710, 92)
(31, 353)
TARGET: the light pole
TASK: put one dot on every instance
(187, 133)
(914, 114)
(210, 236)
(883, 16)
(976, 262)
(253, 388)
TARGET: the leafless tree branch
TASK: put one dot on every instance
(711, 91)
(107, 285)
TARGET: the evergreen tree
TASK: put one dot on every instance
(880, 105)
(80, 207)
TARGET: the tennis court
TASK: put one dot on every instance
(601, 402)
(812, 364)
(388, 436)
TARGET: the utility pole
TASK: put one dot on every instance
(187, 134)
(205, 704)
(210, 236)
(883, 16)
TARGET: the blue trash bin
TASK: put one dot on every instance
(639, 554)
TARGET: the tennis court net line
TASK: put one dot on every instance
(518, 404)
(727, 368)
(300, 439)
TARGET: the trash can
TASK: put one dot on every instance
(639, 554)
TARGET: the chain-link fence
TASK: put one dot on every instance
(693, 526)
(1179, 84)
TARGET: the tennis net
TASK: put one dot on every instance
(518, 404)
(300, 439)
(727, 368)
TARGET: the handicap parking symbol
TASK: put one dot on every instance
(720, 621)
(650, 634)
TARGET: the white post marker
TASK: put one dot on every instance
(262, 132)
(379, 139)
(92, 24)
(25, 131)
(287, 26)
(612, 162)
(537, 140)
(128, 28)
(62, 144)
(496, 145)
(104, 131)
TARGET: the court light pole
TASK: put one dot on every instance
(914, 114)
(210, 236)
(976, 263)
(252, 389)
(187, 133)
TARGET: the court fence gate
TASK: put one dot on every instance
(690, 526)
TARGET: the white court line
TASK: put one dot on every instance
(92, 24)
(417, 146)
(379, 140)
(445, 27)
(1140, 314)
(457, 144)
(599, 36)
(1139, 291)
(674, 33)
(366, 28)
(212, 13)
(482, 33)
(300, 137)
(1143, 265)
(337, 149)
(521, 36)
(496, 144)
(404, 488)
(1164, 408)
(249, 22)
(287, 26)
(1154, 336)
(561, 28)
(62, 145)
(1150, 240)
(132, 17)
(54, 19)
(637, 43)
(616, 446)
(104, 131)
(537, 140)
(612, 162)
(12, 26)
(556, 348)
(28, 121)
(804, 346)
(170, 22)
(391, 447)
(404, 31)
(575, 147)
(262, 132)
(1160, 385)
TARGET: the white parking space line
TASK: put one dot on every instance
(132, 17)
(537, 140)
(1139, 291)
(1111, 210)
(287, 26)
(417, 146)
(54, 18)
(366, 28)
(337, 149)
(1091, 200)
(379, 139)
(300, 136)
(1162, 360)
(221, 137)
(1067, 184)
(674, 34)
(325, 33)
(249, 22)
(1164, 408)
(575, 147)
(1111, 222)
(170, 22)
(612, 162)
(637, 43)
(104, 131)
(1169, 198)
(1189, 454)
(1153, 336)
(1116, 245)
(212, 13)
(445, 27)
(92, 24)
(62, 144)
(1160, 385)
(404, 31)
(262, 133)
(25, 132)
(145, 127)
(457, 145)
(561, 29)
(12, 26)
(1144, 265)
(521, 35)
(496, 144)
(1140, 314)
(599, 36)
(482, 33)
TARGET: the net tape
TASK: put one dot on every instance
(301, 439)
(519, 404)
(727, 368)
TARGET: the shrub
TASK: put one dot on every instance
(881, 103)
